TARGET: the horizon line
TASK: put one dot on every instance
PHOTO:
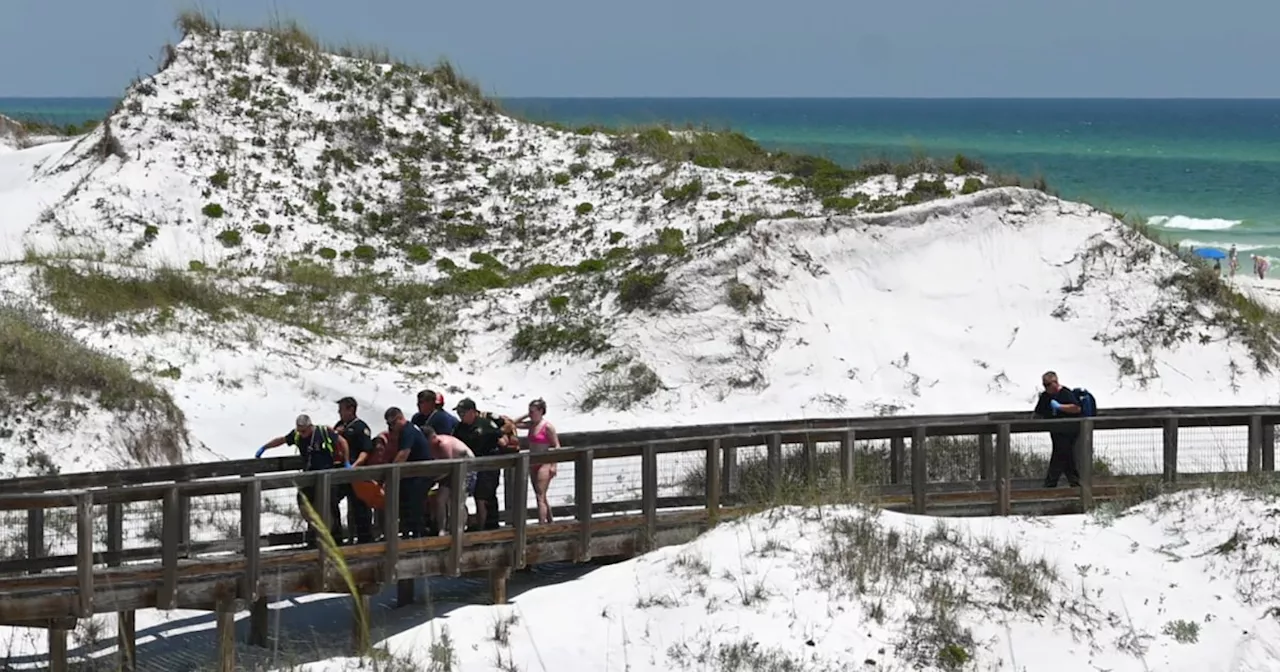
(780, 97)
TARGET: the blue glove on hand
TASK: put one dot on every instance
(347, 465)
(1053, 403)
(260, 452)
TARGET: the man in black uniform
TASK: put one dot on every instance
(360, 442)
(1058, 402)
(320, 447)
(481, 435)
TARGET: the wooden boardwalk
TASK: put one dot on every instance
(102, 571)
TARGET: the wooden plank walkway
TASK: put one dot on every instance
(245, 570)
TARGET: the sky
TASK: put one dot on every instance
(706, 48)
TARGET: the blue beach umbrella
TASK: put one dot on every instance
(1211, 253)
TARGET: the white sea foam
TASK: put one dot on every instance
(1192, 223)
(1240, 247)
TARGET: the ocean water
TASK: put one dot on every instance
(1205, 172)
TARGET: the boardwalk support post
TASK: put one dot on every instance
(729, 477)
(127, 640)
(810, 461)
(258, 624)
(498, 584)
(170, 540)
(320, 493)
(58, 659)
(225, 615)
(35, 535)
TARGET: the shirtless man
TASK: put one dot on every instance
(445, 447)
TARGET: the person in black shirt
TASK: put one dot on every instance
(481, 434)
(413, 446)
(319, 447)
(1058, 402)
(360, 443)
(431, 413)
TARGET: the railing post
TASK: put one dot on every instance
(649, 494)
(458, 495)
(1254, 460)
(583, 492)
(321, 490)
(391, 522)
(919, 470)
(250, 531)
(729, 477)
(713, 482)
(1084, 453)
(184, 520)
(1002, 469)
(1268, 446)
(170, 542)
(810, 461)
(35, 536)
(773, 460)
(1170, 450)
(847, 460)
(84, 554)
(984, 457)
(897, 446)
(115, 533)
(520, 512)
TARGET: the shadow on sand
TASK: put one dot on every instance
(304, 628)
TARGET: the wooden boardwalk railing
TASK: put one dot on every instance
(100, 571)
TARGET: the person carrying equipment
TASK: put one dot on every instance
(320, 448)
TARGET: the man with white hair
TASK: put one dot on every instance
(320, 448)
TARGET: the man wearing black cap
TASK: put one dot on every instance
(360, 444)
(481, 435)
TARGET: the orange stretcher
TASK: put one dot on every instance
(373, 494)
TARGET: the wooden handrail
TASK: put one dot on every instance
(177, 556)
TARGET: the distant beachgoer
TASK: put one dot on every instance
(1264, 266)
(1217, 266)
(1233, 260)
(1055, 402)
(542, 437)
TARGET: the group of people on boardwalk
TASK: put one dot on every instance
(432, 433)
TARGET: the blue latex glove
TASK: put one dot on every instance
(1053, 403)
(260, 452)
(346, 465)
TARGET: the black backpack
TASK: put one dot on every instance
(1088, 405)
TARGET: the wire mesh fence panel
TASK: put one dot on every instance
(280, 512)
(1204, 450)
(872, 462)
(60, 530)
(214, 518)
(1128, 452)
(947, 458)
(683, 474)
(13, 535)
(142, 524)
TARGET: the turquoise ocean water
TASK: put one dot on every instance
(1205, 171)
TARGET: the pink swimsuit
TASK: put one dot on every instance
(538, 444)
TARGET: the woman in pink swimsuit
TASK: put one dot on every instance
(542, 437)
